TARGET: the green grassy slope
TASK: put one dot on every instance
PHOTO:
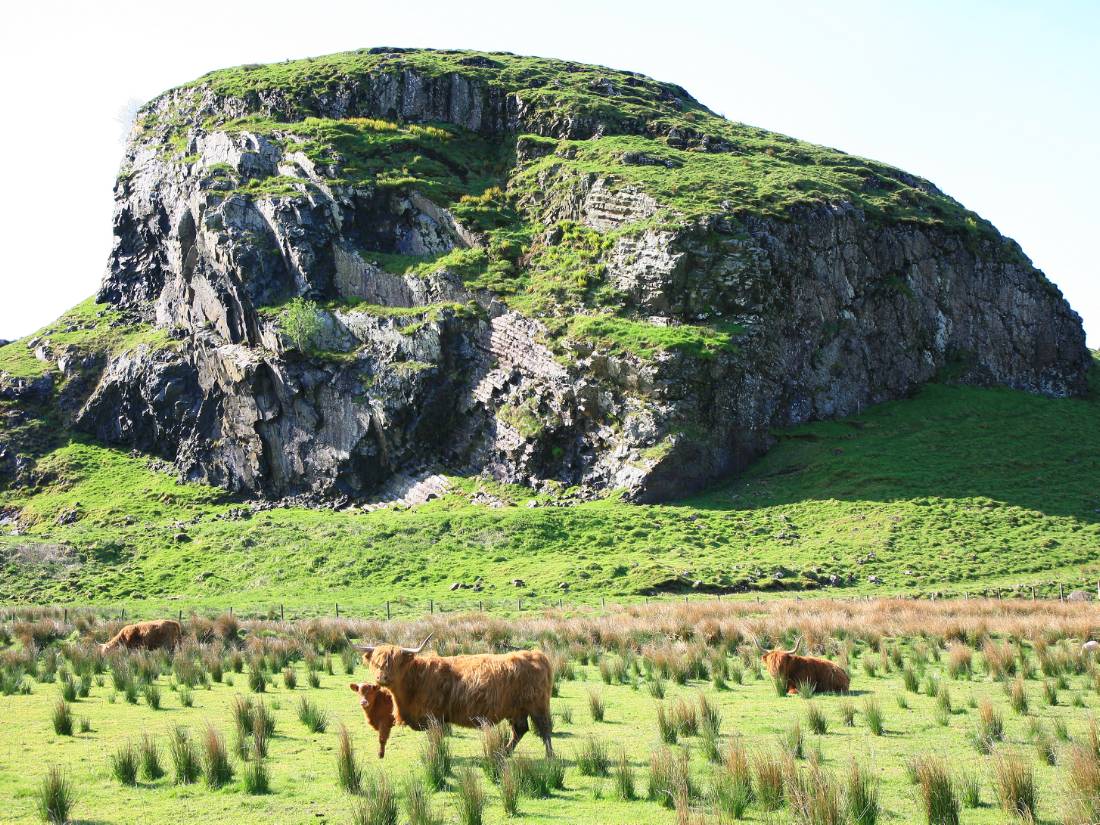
(958, 488)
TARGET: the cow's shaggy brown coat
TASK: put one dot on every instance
(161, 633)
(377, 704)
(823, 675)
(468, 690)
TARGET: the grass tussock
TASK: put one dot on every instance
(55, 797)
(435, 755)
(1082, 767)
(1017, 791)
(378, 803)
(469, 797)
(186, 765)
(872, 715)
(937, 792)
(596, 707)
(149, 754)
(349, 774)
(256, 778)
(124, 763)
(61, 717)
(314, 719)
(861, 797)
(494, 749)
(669, 777)
(418, 801)
(592, 758)
(216, 768)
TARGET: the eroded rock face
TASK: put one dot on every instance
(418, 374)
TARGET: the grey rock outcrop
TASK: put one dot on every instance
(417, 375)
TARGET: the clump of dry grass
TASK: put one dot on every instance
(669, 777)
(1082, 765)
(1000, 659)
(767, 769)
(216, 769)
(1016, 788)
(814, 797)
(937, 792)
(960, 661)
(494, 749)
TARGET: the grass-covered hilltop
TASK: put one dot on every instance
(385, 322)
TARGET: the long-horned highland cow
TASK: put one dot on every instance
(468, 690)
(821, 674)
(377, 704)
(152, 635)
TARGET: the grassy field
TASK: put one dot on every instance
(1027, 647)
(958, 489)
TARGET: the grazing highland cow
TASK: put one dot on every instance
(377, 704)
(153, 635)
(824, 676)
(466, 690)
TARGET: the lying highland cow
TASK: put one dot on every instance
(161, 633)
(377, 704)
(821, 674)
(466, 690)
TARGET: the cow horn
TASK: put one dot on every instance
(368, 649)
(754, 639)
(415, 650)
(797, 645)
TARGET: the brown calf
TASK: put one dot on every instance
(165, 633)
(377, 704)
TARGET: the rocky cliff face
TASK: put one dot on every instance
(547, 273)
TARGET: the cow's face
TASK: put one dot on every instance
(777, 661)
(390, 664)
(367, 693)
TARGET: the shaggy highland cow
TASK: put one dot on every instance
(152, 635)
(466, 690)
(824, 676)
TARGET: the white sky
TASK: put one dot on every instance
(996, 101)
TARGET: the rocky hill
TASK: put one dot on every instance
(352, 276)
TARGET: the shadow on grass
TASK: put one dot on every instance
(946, 442)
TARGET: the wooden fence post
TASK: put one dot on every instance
(519, 604)
(387, 609)
(1061, 596)
(431, 606)
(282, 615)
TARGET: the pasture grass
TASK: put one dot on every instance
(303, 771)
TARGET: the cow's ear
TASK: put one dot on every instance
(354, 687)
